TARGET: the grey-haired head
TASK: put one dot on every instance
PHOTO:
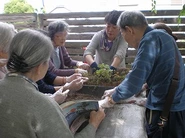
(112, 17)
(7, 32)
(132, 19)
(57, 26)
(28, 49)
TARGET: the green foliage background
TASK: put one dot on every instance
(18, 6)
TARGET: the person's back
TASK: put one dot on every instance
(162, 68)
(25, 111)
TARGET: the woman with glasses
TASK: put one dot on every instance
(25, 112)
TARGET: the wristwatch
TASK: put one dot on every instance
(111, 101)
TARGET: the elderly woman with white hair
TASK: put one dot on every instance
(25, 112)
(7, 32)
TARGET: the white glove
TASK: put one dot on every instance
(82, 71)
(108, 92)
(3, 61)
(105, 103)
(82, 65)
(60, 96)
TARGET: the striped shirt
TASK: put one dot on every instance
(154, 64)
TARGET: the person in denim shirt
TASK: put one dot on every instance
(154, 64)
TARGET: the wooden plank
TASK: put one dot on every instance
(102, 14)
(41, 21)
(81, 36)
(21, 17)
(21, 26)
(21, 21)
(131, 53)
(182, 51)
(181, 44)
(76, 51)
(177, 28)
(161, 12)
(129, 59)
(180, 36)
(82, 29)
(167, 20)
(79, 44)
(73, 15)
(79, 58)
(78, 22)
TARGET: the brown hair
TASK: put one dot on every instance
(165, 27)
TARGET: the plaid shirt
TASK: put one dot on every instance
(154, 64)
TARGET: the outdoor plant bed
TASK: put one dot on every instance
(101, 80)
(106, 77)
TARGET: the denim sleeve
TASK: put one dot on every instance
(141, 69)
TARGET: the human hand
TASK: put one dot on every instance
(60, 96)
(96, 117)
(74, 85)
(84, 79)
(113, 68)
(73, 77)
(144, 88)
(82, 65)
(81, 71)
(106, 103)
(94, 67)
(108, 92)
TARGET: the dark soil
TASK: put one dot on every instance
(80, 96)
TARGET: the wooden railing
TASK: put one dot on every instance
(84, 25)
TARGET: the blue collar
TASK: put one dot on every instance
(148, 29)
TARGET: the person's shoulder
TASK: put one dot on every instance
(99, 33)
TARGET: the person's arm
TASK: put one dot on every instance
(90, 130)
(121, 52)
(141, 69)
(62, 80)
(68, 61)
(116, 62)
(45, 88)
(89, 59)
(60, 72)
(91, 48)
(45, 85)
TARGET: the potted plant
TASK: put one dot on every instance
(103, 79)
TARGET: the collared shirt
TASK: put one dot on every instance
(154, 64)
